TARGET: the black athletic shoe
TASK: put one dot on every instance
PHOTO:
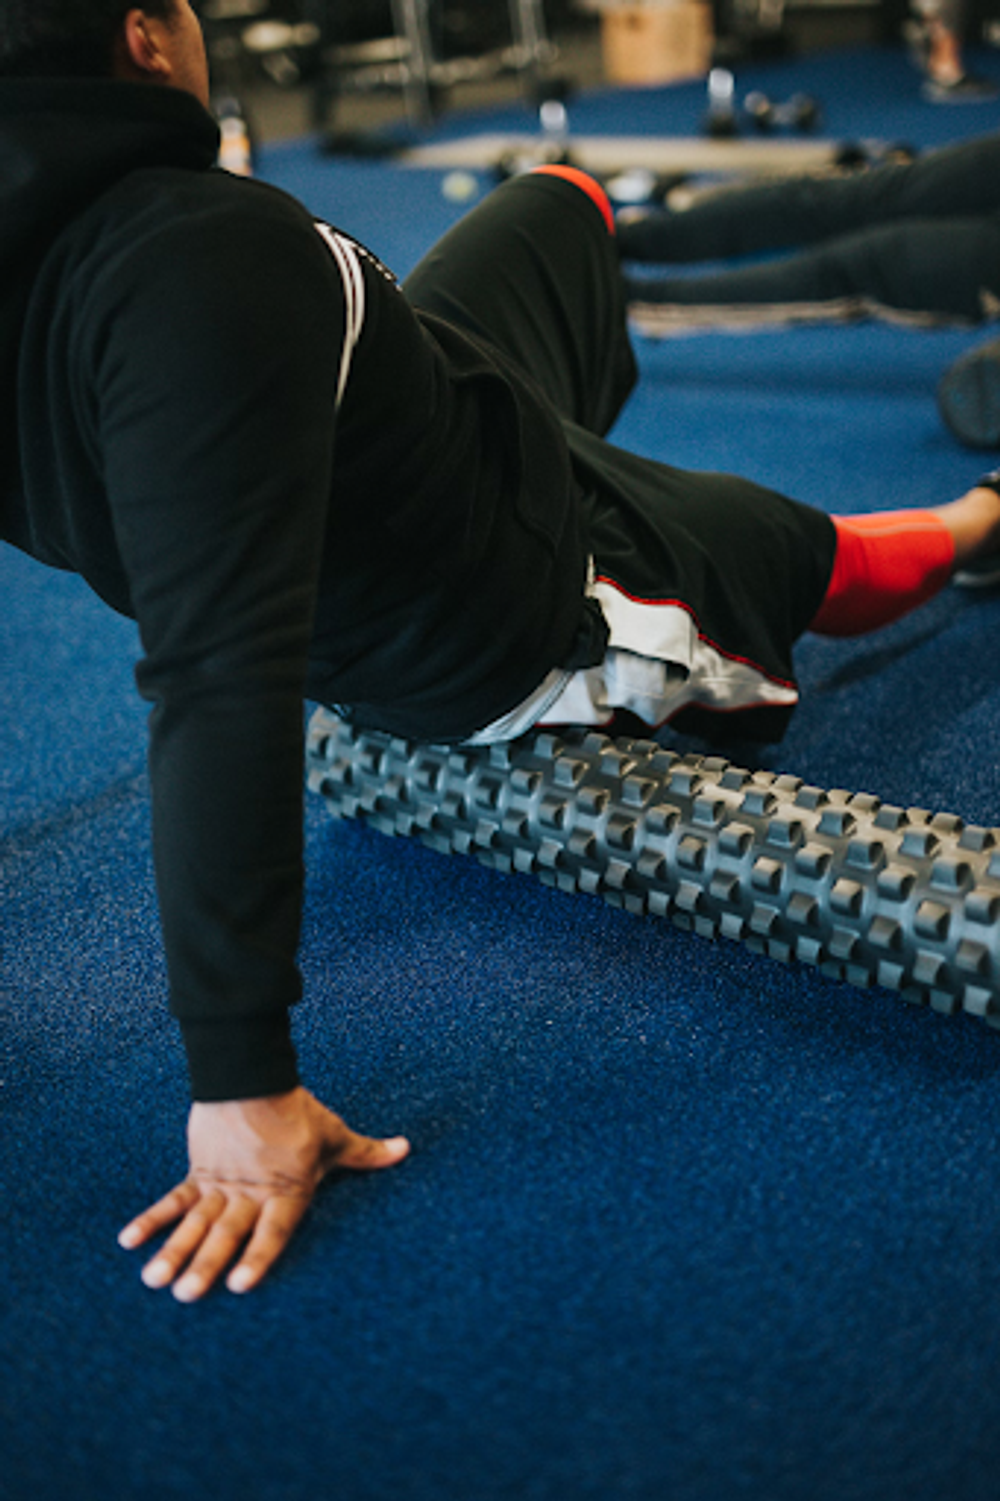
(984, 572)
(969, 396)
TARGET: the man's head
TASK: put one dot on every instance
(159, 42)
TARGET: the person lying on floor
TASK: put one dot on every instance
(914, 242)
(305, 482)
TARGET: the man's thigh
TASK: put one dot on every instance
(534, 270)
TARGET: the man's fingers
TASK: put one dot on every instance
(192, 1231)
(275, 1227)
(217, 1249)
(200, 1258)
(164, 1212)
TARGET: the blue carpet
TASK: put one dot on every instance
(680, 1224)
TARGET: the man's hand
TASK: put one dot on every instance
(255, 1165)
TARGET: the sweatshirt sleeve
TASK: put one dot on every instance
(216, 371)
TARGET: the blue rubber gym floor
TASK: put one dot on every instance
(680, 1223)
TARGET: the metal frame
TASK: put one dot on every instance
(407, 60)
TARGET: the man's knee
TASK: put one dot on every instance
(586, 184)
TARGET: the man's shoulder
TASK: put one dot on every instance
(173, 197)
(162, 225)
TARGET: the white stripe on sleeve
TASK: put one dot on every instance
(348, 264)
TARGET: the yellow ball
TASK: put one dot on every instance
(460, 187)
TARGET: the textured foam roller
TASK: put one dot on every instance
(867, 892)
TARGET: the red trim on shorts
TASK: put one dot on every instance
(731, 656)
(588, 185)
(885, 566)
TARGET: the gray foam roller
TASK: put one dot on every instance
(867, 892)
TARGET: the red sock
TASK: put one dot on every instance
(885, 565)
(589, 186)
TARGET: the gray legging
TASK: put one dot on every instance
(920, 237)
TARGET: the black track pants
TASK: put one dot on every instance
(920, 237)
(534, 270)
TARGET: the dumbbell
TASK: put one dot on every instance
(720, 120)
(859, 156)
(800, 112)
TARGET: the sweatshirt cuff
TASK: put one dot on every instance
(240, 1058)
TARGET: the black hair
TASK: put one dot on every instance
(65, 38)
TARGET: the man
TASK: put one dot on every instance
(913, 242)
(235, 426)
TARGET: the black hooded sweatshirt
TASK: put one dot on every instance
(172, 340)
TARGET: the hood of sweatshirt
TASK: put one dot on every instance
(63, 143)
